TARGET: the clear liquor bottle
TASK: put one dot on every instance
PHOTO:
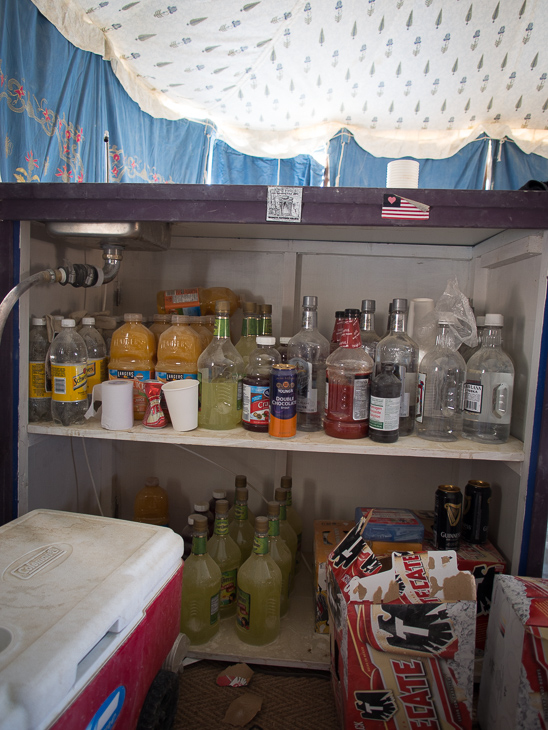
(259, 590)
(220, 371)
(240, 528)
(250, 330)
(308, 351)
(201, 589)
(489, 388)
(442, 373)
(398, 348)
(280, 553)
(228, 557)
(368, 335)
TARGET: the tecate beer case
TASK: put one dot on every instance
(402, 640)
(327, 535)
(514, 682)
(89, 610)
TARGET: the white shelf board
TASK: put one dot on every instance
(298, 645)
(317, 442)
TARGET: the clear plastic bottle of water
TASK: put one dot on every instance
(97, 354)
(39, 396)
(68, 358)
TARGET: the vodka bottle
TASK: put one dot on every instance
(292, 516)
(384, 412)
(240, 480)
(398, 348)
(228, 557)
(68, 357)
(256, 385)
(259, 590)
(151, 504)
(442, 374)
(348, 378)
(250, 329)
(96, 371)
(39, 397)
(337, 331)
(201, 589)
(286, 531)
(280, 553)
(489, 388)
(308, 350)
(220, 371)
(480, 326)
(368, 335)
(240, 528)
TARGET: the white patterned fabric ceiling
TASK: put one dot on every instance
(281, 77)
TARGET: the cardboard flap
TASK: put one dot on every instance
(353, 557)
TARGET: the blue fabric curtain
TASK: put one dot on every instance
(512, 167)
(230, 167)
(56, 102)
(352, 166)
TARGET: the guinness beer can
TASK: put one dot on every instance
(447, 517)
(475, 517)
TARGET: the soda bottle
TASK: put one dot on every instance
(228, 557)
(265, 323)
(68, 359)
(196, 301)
(337, 331)
(442, 374)
(151, 504)
(308, 350)
(368, 335)
(280, 553)
(96, 370)
(240, 480)
(348, 379)
(259, 590)
(39, 397)
(240, 528)
(133, 357)
(201, 589)
(220, 371)
(160, 323)
(250, 329)
(179, 348)
(292, 516)
(256, 385)
(384, 409)
(286, 531)
(489, 388)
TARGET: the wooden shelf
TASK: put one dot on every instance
(298, 645)
(318, 442)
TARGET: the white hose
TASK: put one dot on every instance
(9, 301)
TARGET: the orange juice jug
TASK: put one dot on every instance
(160, 323)
(151, 504)
(195, 301)
(205, 334)
(133, 357)
(179, 348)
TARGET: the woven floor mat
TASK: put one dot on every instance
(291, 699)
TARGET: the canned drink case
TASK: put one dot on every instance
(283, 401)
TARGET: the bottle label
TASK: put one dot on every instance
(214, 609)
(182, 301)
(166, 377)
(221, 525)
(37, 380)
(256, 403)
(266, 326)
(243, 608)
(240, 512)
(260, 544)
(69, 383)
(384, 413)
(491, 397)
(307, 394)
(273, 526)
(473, 396)
(199, 543)
(420, 397)
(228, 587)
(360, 401)
(96, 372)
(222, 327)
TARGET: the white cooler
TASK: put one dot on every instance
(89, 610)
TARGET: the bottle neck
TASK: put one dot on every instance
(260, 544)
(199, 543)
(397, 322)
(445, 337)
(248, 325)
(221, 524)
(266, 325)
(491, 337)
(350, 338)
(240, 511)
(283, 511)
(367, 322)
(273, 526)
(310, 319)
(222, 327)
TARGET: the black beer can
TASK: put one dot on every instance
(475, 516)
(447, 517)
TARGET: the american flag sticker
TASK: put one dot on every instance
(393, 206)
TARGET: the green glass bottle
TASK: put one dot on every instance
(280, 553)
(286, 531)
(201, 589)
(259, 589)
(240, 480)
(250, 329)
(240, 528)
(228, 557)
(293, 517)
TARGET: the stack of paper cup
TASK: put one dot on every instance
(402, 174)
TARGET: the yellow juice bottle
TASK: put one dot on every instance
(151, 504)
(160, 323)
(228, 557)
(179, 348)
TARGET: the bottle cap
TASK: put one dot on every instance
(265, 308)
(68, 323)
(280, 495)
(368, 305)
(133, 317)
(221, 507)
(351, 313)
(152, 482)
(88, 320)
(480, 320)
(180, 319)
(339, 314)
(249, 307)
(444, 320)
(222, 306)
(284, 340)
(240, 480)
(399, 305)
(310, 301)
(286, 482)
(274, 509)
(38, 321)
(266, 340)
(261, 525)
(219, 494)
(241, 494)
(190, 519)
(200, 523)
(161, 318)
(201, 506)
(494, 320)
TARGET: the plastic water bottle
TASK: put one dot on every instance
(97, 354)
(39, 396)
(68, 358)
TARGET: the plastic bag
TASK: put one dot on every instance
(454, 308)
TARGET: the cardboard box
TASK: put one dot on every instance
(390, 525)
(327, 535)
(402, 640)
(514, 683)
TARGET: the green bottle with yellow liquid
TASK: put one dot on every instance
(228, 557)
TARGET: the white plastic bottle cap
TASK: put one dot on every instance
(68, 323)
(38, 320)
(219, 494)
(284, 340)
(132, 317)
(266, 340)
(494, 320)
(88, 320)
(480, 320)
